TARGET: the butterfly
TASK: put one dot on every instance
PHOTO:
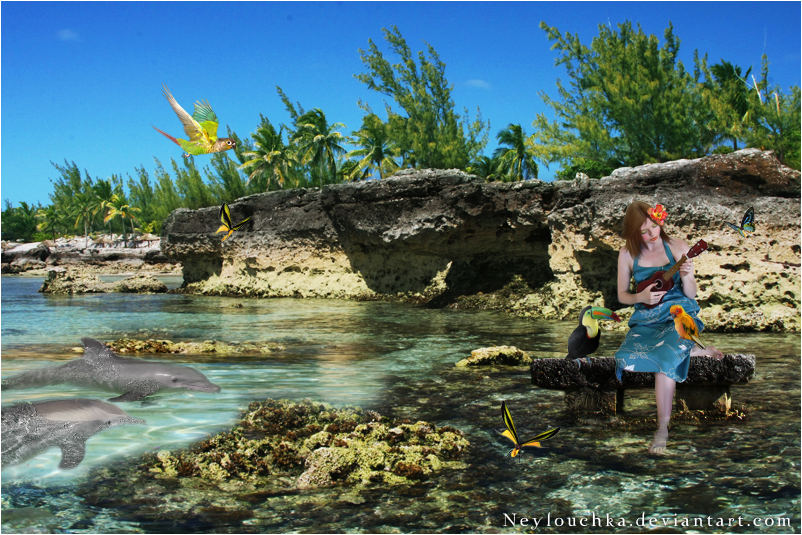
(747, 223)
(511, 434)
(225, 217)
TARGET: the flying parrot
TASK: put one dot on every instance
(201, 127)
(686, 327)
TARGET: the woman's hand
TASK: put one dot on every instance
(686, 268)
(648, 297)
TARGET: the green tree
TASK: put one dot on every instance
(270, 161)
(777, 120)
(166, 195)
(436, 135)
(142, 195)
(103, 193)
(225, 182)
(49, 220)
(319, 143)
(19, 223)
(727, 94)
(376, 152)
(195, 193)
(517, 158)
(629, 101)
(82, 209)
(120, 208)
(486, 168)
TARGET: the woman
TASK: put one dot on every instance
(652, 343)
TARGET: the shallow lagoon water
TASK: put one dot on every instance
(399, 360)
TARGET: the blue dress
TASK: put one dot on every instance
(652, 343)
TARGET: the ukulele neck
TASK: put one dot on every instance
(670, 273)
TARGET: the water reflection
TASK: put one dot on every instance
(399, 360)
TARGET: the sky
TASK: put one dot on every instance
(81, 82)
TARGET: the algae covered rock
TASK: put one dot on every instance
(128, 345)
(495, 356)
(315, 445)
(69, 281)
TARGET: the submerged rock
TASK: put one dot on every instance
(315, 445)
(128, 345)
(495, 356)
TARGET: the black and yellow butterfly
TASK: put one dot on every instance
(512, 434)
(225, 217)
(747, 223)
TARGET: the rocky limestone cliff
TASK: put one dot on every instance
(532, 248)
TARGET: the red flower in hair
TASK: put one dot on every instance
(658, 214)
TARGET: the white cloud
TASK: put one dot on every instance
(67, 35)
(481, 84)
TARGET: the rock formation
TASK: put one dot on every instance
(531, 248)
(66, 281)
(96, 258)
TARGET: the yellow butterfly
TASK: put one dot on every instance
(225, 217)
(511, 434)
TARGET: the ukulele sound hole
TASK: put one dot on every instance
(658, 285)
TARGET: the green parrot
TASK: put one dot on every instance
(201, 127)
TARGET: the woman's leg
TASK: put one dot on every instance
(664, 395)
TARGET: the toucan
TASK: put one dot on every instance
(585, 338)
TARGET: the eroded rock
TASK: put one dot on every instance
(496, 356)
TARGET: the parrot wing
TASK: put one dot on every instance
(192, 128)
(206, 117)
(690, 328)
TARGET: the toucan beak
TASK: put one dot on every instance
(599, 313)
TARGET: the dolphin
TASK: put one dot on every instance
(29, 429)
(101, 368)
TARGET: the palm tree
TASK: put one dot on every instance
(50, 220)
(270, 158)
(82, 210)
(485, 167)
(104, 193)
(318, 142)
(120, 207)
(733, 91)
(518, 157)
(377, 152)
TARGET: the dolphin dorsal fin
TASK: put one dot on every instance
(96, 350)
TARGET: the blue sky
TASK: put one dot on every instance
(82, 81)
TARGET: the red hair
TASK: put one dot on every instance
(637, 214)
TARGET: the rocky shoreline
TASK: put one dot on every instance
(536, 249)
(92, 258)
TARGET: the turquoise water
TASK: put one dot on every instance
(399, 360)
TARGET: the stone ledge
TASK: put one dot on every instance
(595, 387)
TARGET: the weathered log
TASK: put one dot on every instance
(592, 387)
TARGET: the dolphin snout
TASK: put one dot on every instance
(202, 386)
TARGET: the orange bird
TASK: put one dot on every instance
(686, 327)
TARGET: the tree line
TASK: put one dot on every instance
(628, 101)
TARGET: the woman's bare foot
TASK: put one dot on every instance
(659, 442)
(709, 351)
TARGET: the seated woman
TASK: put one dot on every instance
(652, 343)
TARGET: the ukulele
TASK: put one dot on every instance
(664, 279)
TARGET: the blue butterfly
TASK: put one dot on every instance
(747, 223)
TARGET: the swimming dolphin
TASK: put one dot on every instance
(103, 369)
(29, 429)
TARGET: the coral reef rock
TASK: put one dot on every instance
(315, 445)
(530, 248)
(108, 255)
(66, 281)
(128, 345)
(496, 356)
